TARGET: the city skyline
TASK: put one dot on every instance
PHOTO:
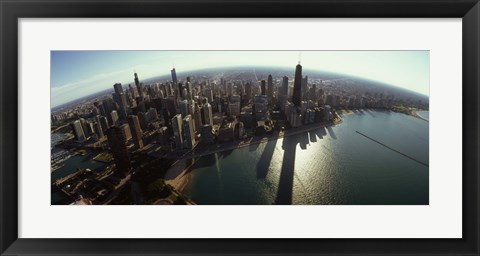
(75, 74)
(310, 138)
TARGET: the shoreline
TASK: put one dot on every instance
(178, 172)
(415, 114)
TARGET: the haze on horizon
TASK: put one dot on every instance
(75, 74)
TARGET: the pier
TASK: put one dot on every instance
(392, 149)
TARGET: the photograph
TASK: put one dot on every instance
(239, 127)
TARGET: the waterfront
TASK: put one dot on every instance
(332, 165)
(76, 162)
(424, 114)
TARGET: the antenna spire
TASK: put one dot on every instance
(299, 58)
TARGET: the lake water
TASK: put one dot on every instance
(332, 165)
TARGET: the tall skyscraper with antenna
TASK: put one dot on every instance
(139, 86)
(174, 77)
(297, 86)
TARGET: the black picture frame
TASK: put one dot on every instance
(11, 11)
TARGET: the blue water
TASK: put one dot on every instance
(333, 165)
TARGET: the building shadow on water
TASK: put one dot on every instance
(225, 153)
(358, 111)
(331, 132)
(321, 132)
(368, 111)
(285, 185)
(264, 162)
(201, 162)
(313, 136)
(253, 147)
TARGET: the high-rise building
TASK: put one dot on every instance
(131, 91)
(85, 129)
(98, 126)
(207, 114)
(118, 147)
(197, 117)
(136, 130)
(234, 105)
(296, 117)
(183, 107)
(326, 113)
(174, 77)
(121, 100)
(284, 92)
(114, 116)
(117, 87)
(260, 106)
(177, 126)
(270, 88)
(304, 87)
(143, 120)
(230, 89)
(312, 94)
(248, 92)
(107, 106)
(206, 134)
(138, 85)
(104, 123)
(171, 106)
(208, 93)
(263, 89)
(189, 132)
(297, 86)
(79, 134)
(189, 88)
(126, 130)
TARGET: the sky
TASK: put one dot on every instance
(76, 74)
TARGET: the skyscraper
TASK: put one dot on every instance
(197, 117)
(118, 88)
(177, 126)
(285, 87)
(248, 92)
(284, 93)
(230, 89)
(136, 130)
(263, 89)
(297, 86)
(189, 132)
(77, 127)
(207, 114)
(174, 77)
(104, 123)
(139, 86)
(98, 126)
(114, 115)
(106, 108)
(120, 98)
(183, 107)
(270, 88)
(118, 147)
(304, 87)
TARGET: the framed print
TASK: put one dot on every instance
(239, 128)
